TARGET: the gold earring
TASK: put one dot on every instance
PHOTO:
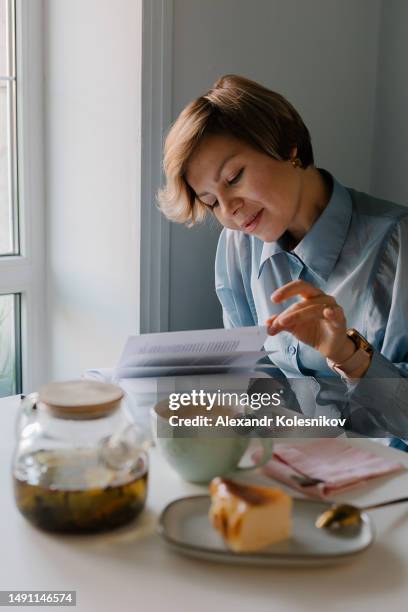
(296, 162)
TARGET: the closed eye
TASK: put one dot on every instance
(236, 178)
(213, 205)
(209, 205)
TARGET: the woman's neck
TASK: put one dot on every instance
(316, 193)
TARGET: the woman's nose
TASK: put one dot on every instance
(231, 205)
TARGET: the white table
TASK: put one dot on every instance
(132, 570)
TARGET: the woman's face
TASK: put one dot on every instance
(247, 190)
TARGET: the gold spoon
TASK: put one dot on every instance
(340, 515)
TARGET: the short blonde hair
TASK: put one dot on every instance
(237, 107)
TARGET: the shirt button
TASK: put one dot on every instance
(292, 350)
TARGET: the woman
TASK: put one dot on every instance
(321, 264)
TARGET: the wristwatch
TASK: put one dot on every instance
(359, 361)
(359, 341)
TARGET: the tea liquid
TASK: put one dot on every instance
(73, 493)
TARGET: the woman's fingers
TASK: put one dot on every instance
(298, 318)
(335, 315)
(297, 287)
(271, 319)
(309, 312)
(319, 299)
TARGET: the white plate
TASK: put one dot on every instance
(185, 527)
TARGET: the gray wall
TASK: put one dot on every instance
(390, 155)
(321, 54)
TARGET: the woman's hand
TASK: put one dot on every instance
(316, 320)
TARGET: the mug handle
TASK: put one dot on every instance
(267, 447)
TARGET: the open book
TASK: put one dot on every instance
(209, 351)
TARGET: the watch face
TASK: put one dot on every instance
(359, 341)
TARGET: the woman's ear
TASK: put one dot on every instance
(293, 153)
(294, 159)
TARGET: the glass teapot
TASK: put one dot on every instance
(80, 464)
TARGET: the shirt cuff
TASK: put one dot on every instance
(383, 393)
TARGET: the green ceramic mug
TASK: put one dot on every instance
(197, 454)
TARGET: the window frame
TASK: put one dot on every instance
(9, 80)
(157, 74)
(24, 273)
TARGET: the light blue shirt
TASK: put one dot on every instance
(356, 251)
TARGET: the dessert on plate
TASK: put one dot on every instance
(249, 517)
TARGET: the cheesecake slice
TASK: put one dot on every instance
(249, 517)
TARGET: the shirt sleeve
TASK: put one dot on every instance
(233, 279)
(382, 393)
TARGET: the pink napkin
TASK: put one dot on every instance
(336, 462)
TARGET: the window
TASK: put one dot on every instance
(8, 157)
(21, 202)
(8, 204)
(10, 364)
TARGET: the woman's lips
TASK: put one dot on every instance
(251, 225)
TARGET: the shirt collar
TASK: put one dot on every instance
(320, 248)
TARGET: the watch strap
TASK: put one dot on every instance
(356, 365)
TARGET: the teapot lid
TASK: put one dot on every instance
(80, 399)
